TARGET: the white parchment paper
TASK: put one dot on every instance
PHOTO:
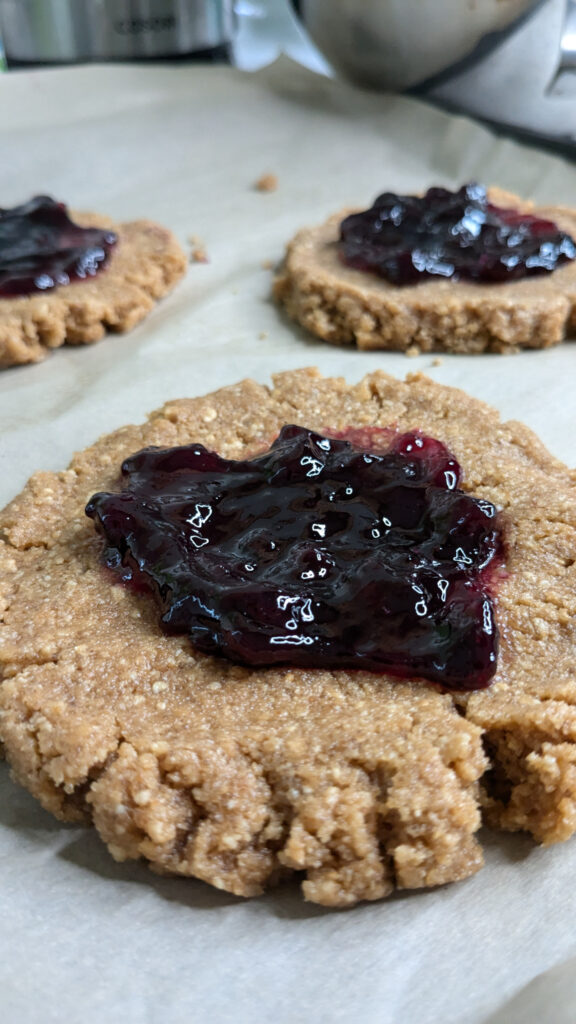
(82, 939)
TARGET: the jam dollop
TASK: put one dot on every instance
(41, 248)
(458, 235)
(317, 553)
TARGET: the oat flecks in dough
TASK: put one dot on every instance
(145, 264)
(362, 782)
(346, 307)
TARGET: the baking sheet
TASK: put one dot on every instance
(83, 939)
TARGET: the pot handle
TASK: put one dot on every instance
(567, 62)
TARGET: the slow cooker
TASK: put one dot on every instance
(64, 31)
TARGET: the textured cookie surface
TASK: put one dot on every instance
(362, 782)
(346, 306)
(145, 264)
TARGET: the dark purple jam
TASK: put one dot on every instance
(41, 248)
(318, 553)
(458, 235)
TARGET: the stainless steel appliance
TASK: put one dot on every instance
(397, 44)
(509, 61)
(62, 31)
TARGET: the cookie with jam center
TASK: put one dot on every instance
(441, 311)
(361, 781)
(77, 303)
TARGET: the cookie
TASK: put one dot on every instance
(237, 776)
(345, 306)
(145, 264)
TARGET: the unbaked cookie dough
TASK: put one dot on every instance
(346, 306)
(361, 782)
(145, 264)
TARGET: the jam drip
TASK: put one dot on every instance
(458, 235)
(41, 248)
(318, 553)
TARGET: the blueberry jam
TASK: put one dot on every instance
(41, 248)
(458, 235)
(317, 553)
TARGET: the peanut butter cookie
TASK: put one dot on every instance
(360, 781)
(345, 305)
(144, 263)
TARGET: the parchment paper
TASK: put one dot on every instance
(84, 940)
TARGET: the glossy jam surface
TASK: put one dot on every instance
(458, 235)
(41, 248)
(318, 553)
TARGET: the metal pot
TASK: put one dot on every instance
(511, 62)
(398, 44)
(59, 31)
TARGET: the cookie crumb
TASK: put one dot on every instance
(267, 264)
(263, 335)
(267, 183)
(437, 362)
(199, 255)
(412, 351)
